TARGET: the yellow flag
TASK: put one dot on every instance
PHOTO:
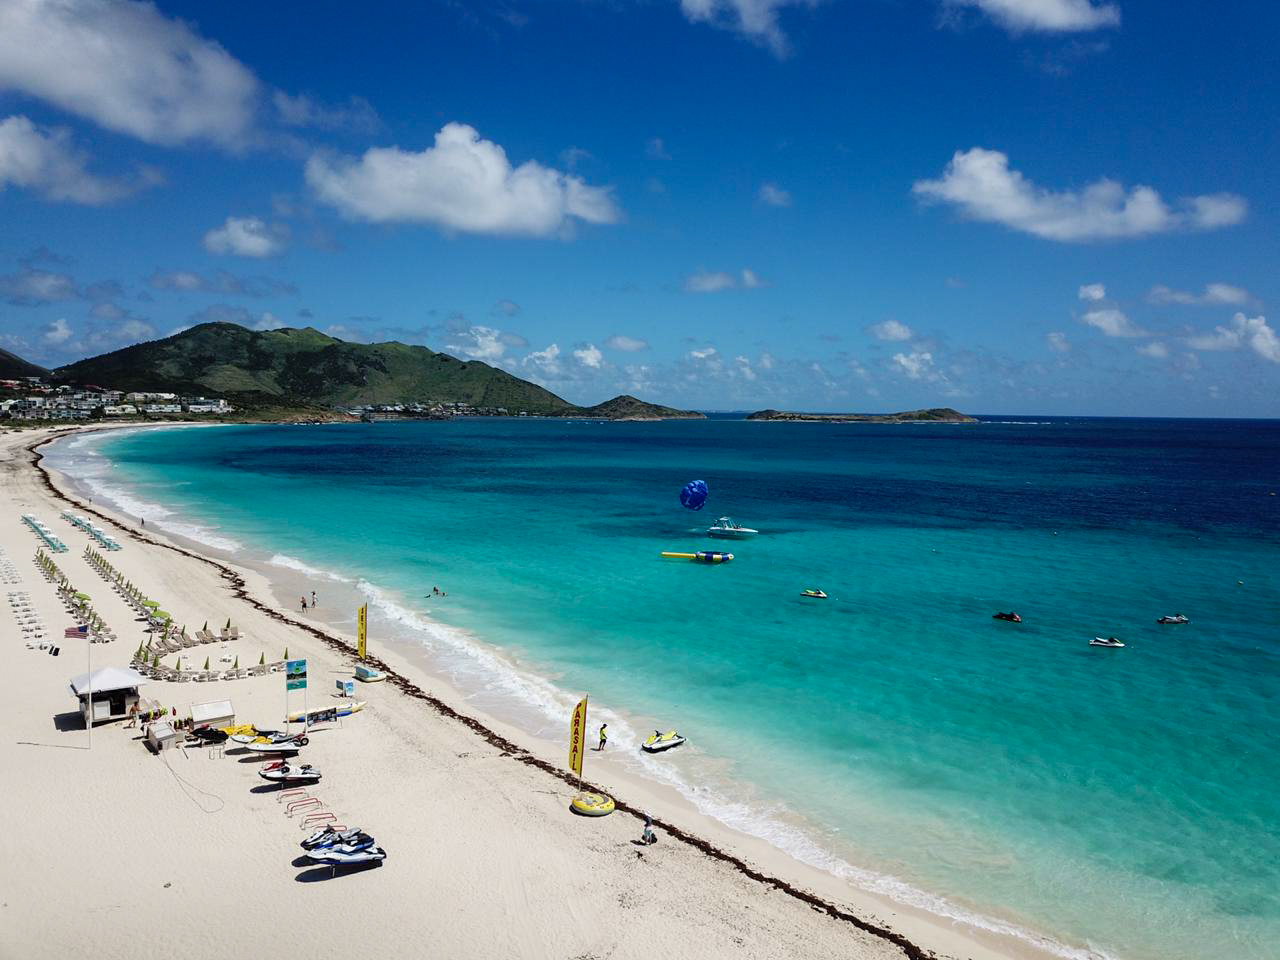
(364, 631)
(577, 736)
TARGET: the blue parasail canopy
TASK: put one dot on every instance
(694, 494)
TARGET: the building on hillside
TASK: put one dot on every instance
(120, 410)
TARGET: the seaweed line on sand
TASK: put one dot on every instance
(508, 749)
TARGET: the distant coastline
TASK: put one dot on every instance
(931, 415)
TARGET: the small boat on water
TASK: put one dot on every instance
(660, 741)
(1105, 642)
(815, 594)
(1176, 618)
(1011, 617)
(729, 529)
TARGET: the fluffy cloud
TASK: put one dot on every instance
(48, 162)
(186, 281)
(1058, 341)
(627, 344)
(1253, 332)
(755, 19)
(891, 330)
(477, 343)
(59, 331)
(980, 184)
(247, 237)
(32, 286)
(354, 116)
(1214, 294)
(461, 183)
(589, 356)
(917, 365)
(1093, 292)
(713, 281)
(544, 363)
(1112, 322)
(774, 195)
(1049, 16)
(128, 68)
(1154, 349)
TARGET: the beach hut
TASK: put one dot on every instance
(113, 690)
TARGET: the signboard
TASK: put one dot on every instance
(362, 643)
(577, 733)
(295, 675)
(346, 688)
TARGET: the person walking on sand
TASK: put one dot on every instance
(604, 736)
(313, 599)
(304, 604)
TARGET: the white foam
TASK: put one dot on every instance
(293, 563)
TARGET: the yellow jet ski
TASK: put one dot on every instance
(662, 741)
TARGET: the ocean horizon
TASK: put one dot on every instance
(1098, 802)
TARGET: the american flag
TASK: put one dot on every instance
(80, 631)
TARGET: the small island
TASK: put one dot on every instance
(626, 407)
(932, 415)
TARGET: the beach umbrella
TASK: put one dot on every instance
(206, 663)
(228, 626)
(156, 661)
(162, 615)
(151, 603)
(179, 665)
(236, 665)
(205, 628)
(262, 660)
(286, 653)
(82, 596)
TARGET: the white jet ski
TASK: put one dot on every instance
(292, 745)
(261, 735)
(1105, 642)
(285, 773)
(326, 836)
(344, 856)
(1176, 618)
(660, 741)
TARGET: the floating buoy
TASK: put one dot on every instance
(592, 804)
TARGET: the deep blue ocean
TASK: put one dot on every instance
(1123, 801)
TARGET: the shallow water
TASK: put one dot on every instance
(1008, 773)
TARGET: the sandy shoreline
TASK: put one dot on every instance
(484, 858)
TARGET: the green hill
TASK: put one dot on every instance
(626, 407)
(932, 415)
(279, 368)
(13, 366)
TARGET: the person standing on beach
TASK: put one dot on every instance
(604, 737)
(304, 604)
(648, 836)
(313, 599)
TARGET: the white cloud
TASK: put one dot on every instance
(507, 307)
(544, 362)
(980, 184)
(186, 281)
(1092, 291)
(1113, 323)
(1154, 349)
(706, 353)
(1253, 332)
(1058, 341)
(128, 68)
(774, 195)
(709, 282)
(461, 183)
(1214, 293)
(354, 116)
(627, 344)
(48, 162)
(59, 331)
(755, 19)
(766, 361)
(268, 321)
(891, 330)
(744, 368)
(32, 286)
(589, 356)
(713, 281)
(1049, 16)
(247, 237)
(477, 343)
(917, 365)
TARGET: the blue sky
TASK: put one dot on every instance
(1053, 206)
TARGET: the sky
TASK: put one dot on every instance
(1003, 206)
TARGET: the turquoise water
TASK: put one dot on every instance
(1122, 801)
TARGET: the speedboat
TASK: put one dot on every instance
(662, 741)
(1010, 616)
(1176, 618)
(816, 594)
(303, 773)
(1105, 642)
(729, 529)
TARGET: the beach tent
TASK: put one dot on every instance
(114, 691)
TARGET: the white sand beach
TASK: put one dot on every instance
(119, 853)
